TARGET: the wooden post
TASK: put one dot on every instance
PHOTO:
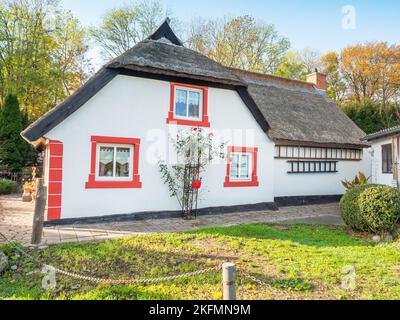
(228, 280)
(40, 207)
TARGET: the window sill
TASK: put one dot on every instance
(191, 123)
(136, 184)
(238, 184)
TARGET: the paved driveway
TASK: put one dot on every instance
(16, 221)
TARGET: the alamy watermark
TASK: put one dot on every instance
(349, 280)
(49, 281)
(349, 19)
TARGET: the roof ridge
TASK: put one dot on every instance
(265, 76)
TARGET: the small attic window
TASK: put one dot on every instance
(188, 105)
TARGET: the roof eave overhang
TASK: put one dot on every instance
(285, 142)
(381, 136)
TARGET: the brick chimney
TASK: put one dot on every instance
(317, 79)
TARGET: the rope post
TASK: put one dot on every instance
(38, 217)
(228, 281)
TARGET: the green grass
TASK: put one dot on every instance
(304, 262)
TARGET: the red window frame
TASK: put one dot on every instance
(204, 122)
(134, 183)
(254, 177)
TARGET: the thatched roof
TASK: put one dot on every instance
(166, 58)
(297, 112)
(288, 111)
(390, 132)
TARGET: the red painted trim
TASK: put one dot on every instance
(171, 115)
(55, 175)
(56, 149)
(254, 181)
(56, 162)
(134, 183)
(115, 140)
(54, 201)
(113, 185)
(55, 188)
(55, 178)
(53, 213)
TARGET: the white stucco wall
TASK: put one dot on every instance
(287, 185)
(377, 175)
(137, 108)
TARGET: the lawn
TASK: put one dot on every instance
(299, 262)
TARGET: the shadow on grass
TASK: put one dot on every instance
(310, 235)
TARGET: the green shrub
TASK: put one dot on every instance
(8, 187)
(359, 180)
(371, 208)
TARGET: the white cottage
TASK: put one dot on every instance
(385, 156)
(294, 143)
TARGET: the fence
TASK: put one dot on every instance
(16, 177)
(19, 177)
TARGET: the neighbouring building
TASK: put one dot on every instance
(98, 141)
(385, 156)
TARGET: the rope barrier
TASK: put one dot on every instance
(104, 281)
(134, 281)
(256, 280)
(111, 281)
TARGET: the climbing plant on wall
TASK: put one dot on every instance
(195, 150)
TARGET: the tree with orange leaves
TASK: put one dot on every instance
(368, 71)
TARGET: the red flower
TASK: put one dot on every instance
(195, 129)
(211, 135)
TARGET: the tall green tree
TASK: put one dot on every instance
(41, 50)
(125, 26)
(373, 116)
(12, 146)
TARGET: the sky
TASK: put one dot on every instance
(318, 24)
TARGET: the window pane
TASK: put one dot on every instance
(106, 165)
(180, 103)
(194, 104)
(235, 166)
(122, 162)
(244, 167)
(387, 158)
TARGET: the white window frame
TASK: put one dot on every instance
(188, 90)
(115, 146)
(250, 167)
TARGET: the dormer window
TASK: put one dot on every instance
(189, 105)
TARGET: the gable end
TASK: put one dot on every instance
(165, 31)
